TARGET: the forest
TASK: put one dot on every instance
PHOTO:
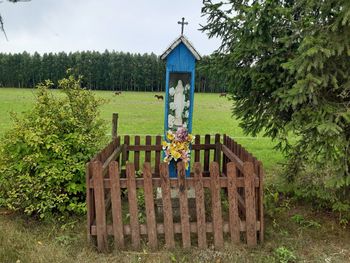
(109, 70)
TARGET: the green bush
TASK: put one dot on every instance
(43, 156)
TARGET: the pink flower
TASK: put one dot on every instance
(181, 134)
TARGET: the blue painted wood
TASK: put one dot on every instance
(180, 60)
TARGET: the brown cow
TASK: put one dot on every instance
(117, 92)
(223, 94)
(159, 97)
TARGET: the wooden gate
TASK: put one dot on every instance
(227, 191)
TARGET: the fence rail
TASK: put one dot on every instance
(226, 181)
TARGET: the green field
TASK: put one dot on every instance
(319, 239)
(141, 113)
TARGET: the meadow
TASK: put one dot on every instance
(294, 232)
(140, 113)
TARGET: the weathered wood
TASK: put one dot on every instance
(159, 147)
(157, 157)
(149, 202)
(177, 228)
(197, 141)
(115, 154)
(233, 202)
(100, 207)
(116, 205)
(148, 153)
(217, 152)
(185, 224)
(132, 198)
(167, 207)
(232, 157)
(244, 190)
(224, 158)
(173, 183)
(261, 201)
(200, 206)
(249, 192)
(115, 125)
(216, 205)
(117, 158)
(137, 154)
(206, 153)
(125, 156)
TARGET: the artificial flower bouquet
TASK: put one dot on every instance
(177, 146)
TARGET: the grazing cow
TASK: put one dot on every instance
(159, 97)
(117, 92)
(223, 94)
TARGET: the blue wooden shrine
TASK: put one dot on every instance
(181, 59)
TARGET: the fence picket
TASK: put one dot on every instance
(243, 181)
(200, 207)
(132, 198)
(157, 158)
(137, 154)
(116, 205)
(216, 205)
(234, 221)
(217, 151)
(249, 192)
(149, 202)
(101, 226)
(224, 159)
(148, 153)
(167, 207)
(261, 201)
(185, 224)
(206, 153)
(197, 140)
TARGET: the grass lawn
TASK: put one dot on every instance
(317, 238)
(141, 113)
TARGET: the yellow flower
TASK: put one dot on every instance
(164, 144)
(190, 137)
(170, 136)
(175, 154)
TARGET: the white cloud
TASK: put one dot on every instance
(129, 26)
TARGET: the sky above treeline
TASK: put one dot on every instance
(136, 26)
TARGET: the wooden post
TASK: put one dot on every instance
(158, 156)
(185, 223)
(200, 206)
(234, 221)
(249, 192)
(217, 154)
(197, 152)
(206, 153)
(167, 208)
(101, 226)
(116, 205)
(132, 198)
(115, 117)
(216, 205)
(261, 201)
(149, 202)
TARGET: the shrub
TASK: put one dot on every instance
(43, 156)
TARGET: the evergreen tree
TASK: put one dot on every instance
(288, 68)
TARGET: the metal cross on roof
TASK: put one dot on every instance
(182, 23)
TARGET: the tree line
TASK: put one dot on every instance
(101, 71)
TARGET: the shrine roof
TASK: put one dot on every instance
(186, 42)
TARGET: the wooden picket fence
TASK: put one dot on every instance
(223, 172)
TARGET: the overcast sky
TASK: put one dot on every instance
(137, 26)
